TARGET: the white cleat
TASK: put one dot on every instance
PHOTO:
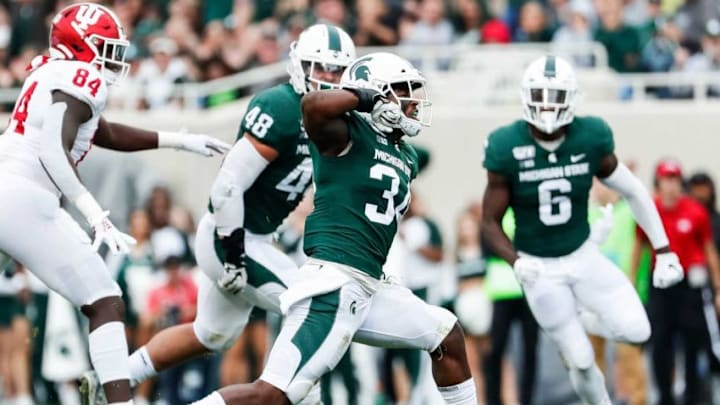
(91, 391)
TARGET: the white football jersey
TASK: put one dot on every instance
(21, 142)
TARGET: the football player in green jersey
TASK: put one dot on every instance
(542, 167)
(262, 179)
(362, 170)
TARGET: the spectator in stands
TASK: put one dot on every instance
(709, 59)
(701, 187)
(663, 51)
(268, 50)
(694, 14)
(166, 239)
(216, 10)
(621, 41)
(572, 37)
(470, 269)
(14, 336)
(495, 31)
(654, 17)
(334, 12)
(169, 304)
(431, 27)
(534, 25)
(135, 274)
(468, 19)
(377, 22)
(159, 74)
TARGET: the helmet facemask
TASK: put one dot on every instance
(412, 96)
(547, 108)
(110, 57)
(311, 67)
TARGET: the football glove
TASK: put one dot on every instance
(197, 143)
(235, 277)
(387, 116)
(527, 270)
(601, 228)
(103, 230)
(668, 270)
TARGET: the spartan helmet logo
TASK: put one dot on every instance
(360, 70)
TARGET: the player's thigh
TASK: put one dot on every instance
(316, 333)
(221, 316)
(399, 319)
(42, 236)
(269, 272)
(606, 291)
(551, 300)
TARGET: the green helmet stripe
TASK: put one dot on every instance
(550, 66)
(334, 39)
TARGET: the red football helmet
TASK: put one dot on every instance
(91, 33)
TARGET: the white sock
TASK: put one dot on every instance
(212, 399)
(141, 366)
(109, 352)
(590, 385)
(460, 394)
(121, 403)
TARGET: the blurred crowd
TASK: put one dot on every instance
(177, 41)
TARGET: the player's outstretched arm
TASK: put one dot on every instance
(125, 138)
(495, 203)
(617, 176)
(323, 117)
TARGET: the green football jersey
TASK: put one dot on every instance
(549, 190)
(274, 118)
(359, 198)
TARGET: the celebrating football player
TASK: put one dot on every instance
(543, 168)
(53, 125)
(362, 170)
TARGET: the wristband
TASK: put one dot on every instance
(168, 139)
(366, 98)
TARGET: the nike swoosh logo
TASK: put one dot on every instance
(577, 158)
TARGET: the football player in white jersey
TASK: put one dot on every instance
(53, 125)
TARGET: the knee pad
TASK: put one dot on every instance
(214, 341)
(636, 331)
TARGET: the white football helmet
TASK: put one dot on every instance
(386, 72)
(549, 93)
(321, 44)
